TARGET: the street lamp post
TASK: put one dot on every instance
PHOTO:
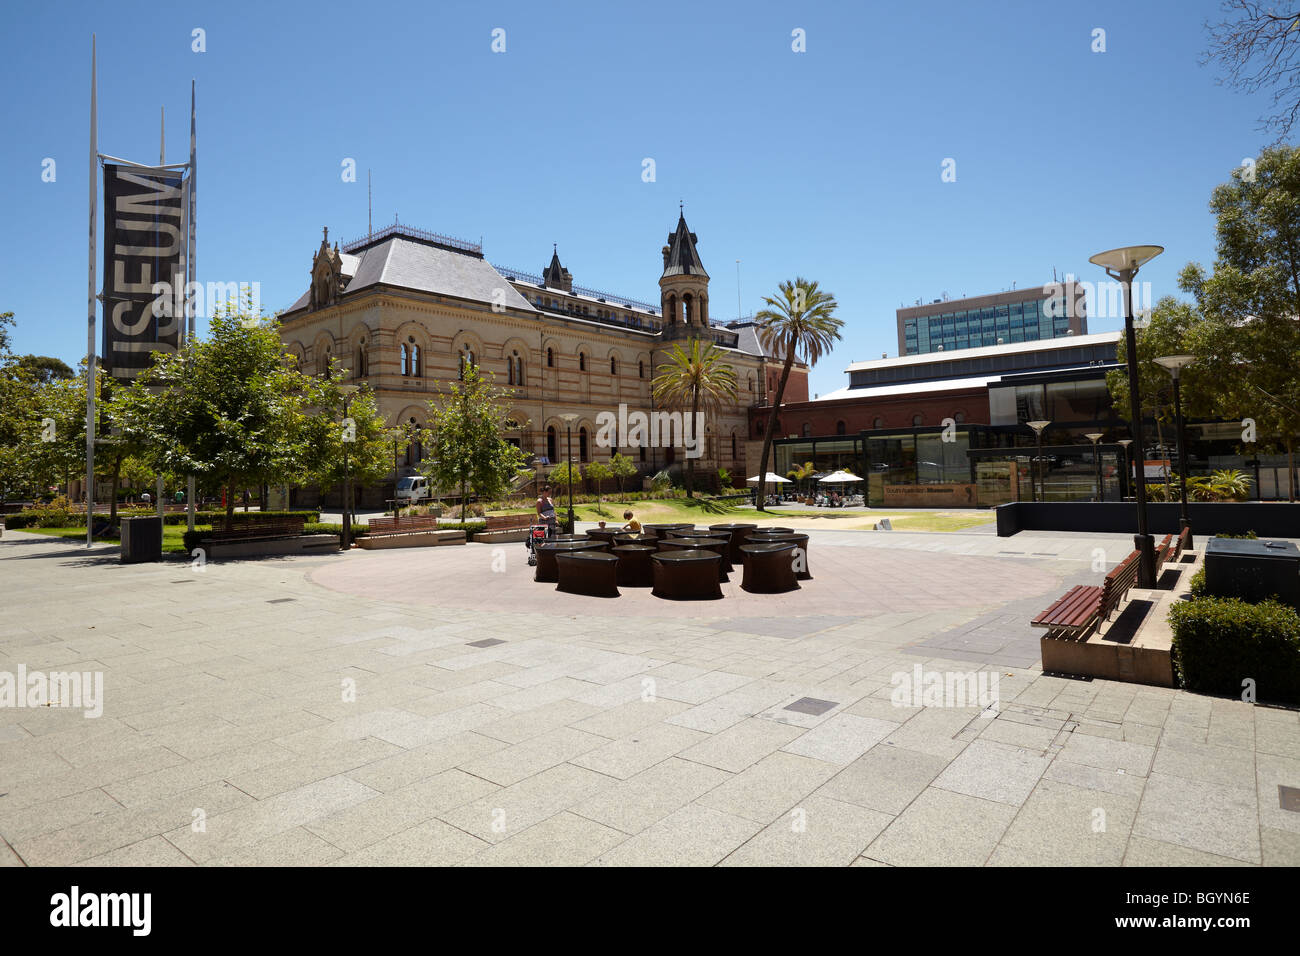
(1124, 472)
(347, 391)
(1095, 437)
(568, 420)
(1122, 265)
(1038, 427)
(1175, 364)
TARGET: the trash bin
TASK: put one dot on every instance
(141, 539)
(1253, 570)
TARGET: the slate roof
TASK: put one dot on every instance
(407, 264)
(683, 260)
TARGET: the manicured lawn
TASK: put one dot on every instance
(172, 540)
(701, 511)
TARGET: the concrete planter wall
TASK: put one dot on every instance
(1267, 519)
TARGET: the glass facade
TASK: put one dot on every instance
(1027, 321)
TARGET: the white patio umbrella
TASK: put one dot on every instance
(840, 478)
(771, 479)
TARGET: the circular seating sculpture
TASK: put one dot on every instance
(590, 572)
(769, 567)
(603, 534)
(759, 532)
(799, 540)
(629, 537)
(547, 570)
(680, 531)
(634, 569)
(738, 532)
(686, 575)
(659, 530)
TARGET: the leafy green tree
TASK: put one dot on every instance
(228, 409)
(800, 323)
(621, 468)
(6, 323)
(470, 452)
(337, 447)
(696, 378)
(1251, 300)
(45, 368)
(596, 472)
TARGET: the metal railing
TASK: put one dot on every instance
(410, 232)
(614, 301)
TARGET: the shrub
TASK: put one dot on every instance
(1220, 642)
(1197, 584)
(1248, 534)
(319, 527)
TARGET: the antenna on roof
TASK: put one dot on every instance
(370, 207)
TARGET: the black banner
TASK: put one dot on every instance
(143, 241)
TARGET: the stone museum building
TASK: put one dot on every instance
(403, 310)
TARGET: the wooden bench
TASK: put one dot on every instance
(510, 522)
(1163, 552)
(399, 525)
(1084, 607)
(1181, 545)
(254, 530)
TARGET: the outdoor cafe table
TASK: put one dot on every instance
(603, 534)
(547, 569)
(737, 537)
(686, 574)
(634, 570)
(798, 539)
(717, 545)
(590, 572)
(658, 529)
(769, 568)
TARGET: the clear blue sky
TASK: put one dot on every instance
(824, 164)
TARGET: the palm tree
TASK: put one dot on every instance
(800, 321)
(801, 473)
(700, 376)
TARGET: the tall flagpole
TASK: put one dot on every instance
(190, 278)
(90, 307)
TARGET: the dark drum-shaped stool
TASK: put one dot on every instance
(659, 530)
(716, 545)
(738, 533)
(800, 541)
(603, 534)
(547, 570)
(588, 572)
(769, 568)
(634, 570)
(629, 537)
(754, 536)
(686, 575)
(680, 531)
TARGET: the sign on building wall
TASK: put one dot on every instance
(143, 239)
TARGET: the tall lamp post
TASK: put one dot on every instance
(1125, 470)
(347, 391)
(1038, 427)
(1095, 437)
(568, 420)
(1175, 364)
(1122, 265)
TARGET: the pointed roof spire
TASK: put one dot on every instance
(555, 275)
(682, 258)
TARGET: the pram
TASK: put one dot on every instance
(536, 533)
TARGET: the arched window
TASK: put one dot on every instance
(840, 428)
(613, 365)
(640, 369)
(519, 369)
(404, 359)
(917, 419)
(733, 446)
(550, 444)
(362, 367)
(416, 367)
(959, 418)
(582, 444)
(582, 362)
(466, 358)
(807, 430)
(414, 447)
(325, 363)
(550, 359)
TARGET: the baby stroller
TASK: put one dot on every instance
(537, 533)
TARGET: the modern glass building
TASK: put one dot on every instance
(1024, 315)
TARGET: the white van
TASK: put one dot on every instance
(413, 490)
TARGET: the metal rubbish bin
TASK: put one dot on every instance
(141, 539)
(1253, 570)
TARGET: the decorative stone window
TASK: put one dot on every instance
(582, 362)
(640, 369)
(515, 369)
(959, 418)
(917, 419)
(467, 358)
(613, 365)
(550, 358)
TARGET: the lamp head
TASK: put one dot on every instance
(1038, 426)
(1175, 363)
(1094, 437)
(1127, 259)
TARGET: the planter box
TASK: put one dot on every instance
(410, 539)
(304, 544)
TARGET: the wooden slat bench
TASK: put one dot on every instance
(509, 522)
(1181, 545)
(1080, 609)
(253, 530)
(400, 525)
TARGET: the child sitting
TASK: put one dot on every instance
(632, 524)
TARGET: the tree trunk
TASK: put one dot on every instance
(1290, 470)
(771, 428)
(230, 506)
(690, 462)
(117, 472)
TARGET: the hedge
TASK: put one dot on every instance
(72, 519)
(1220, 642)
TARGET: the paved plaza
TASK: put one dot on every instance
(436, 707)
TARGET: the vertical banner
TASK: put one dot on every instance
(143, 278)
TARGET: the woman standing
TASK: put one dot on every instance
(546, 510)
